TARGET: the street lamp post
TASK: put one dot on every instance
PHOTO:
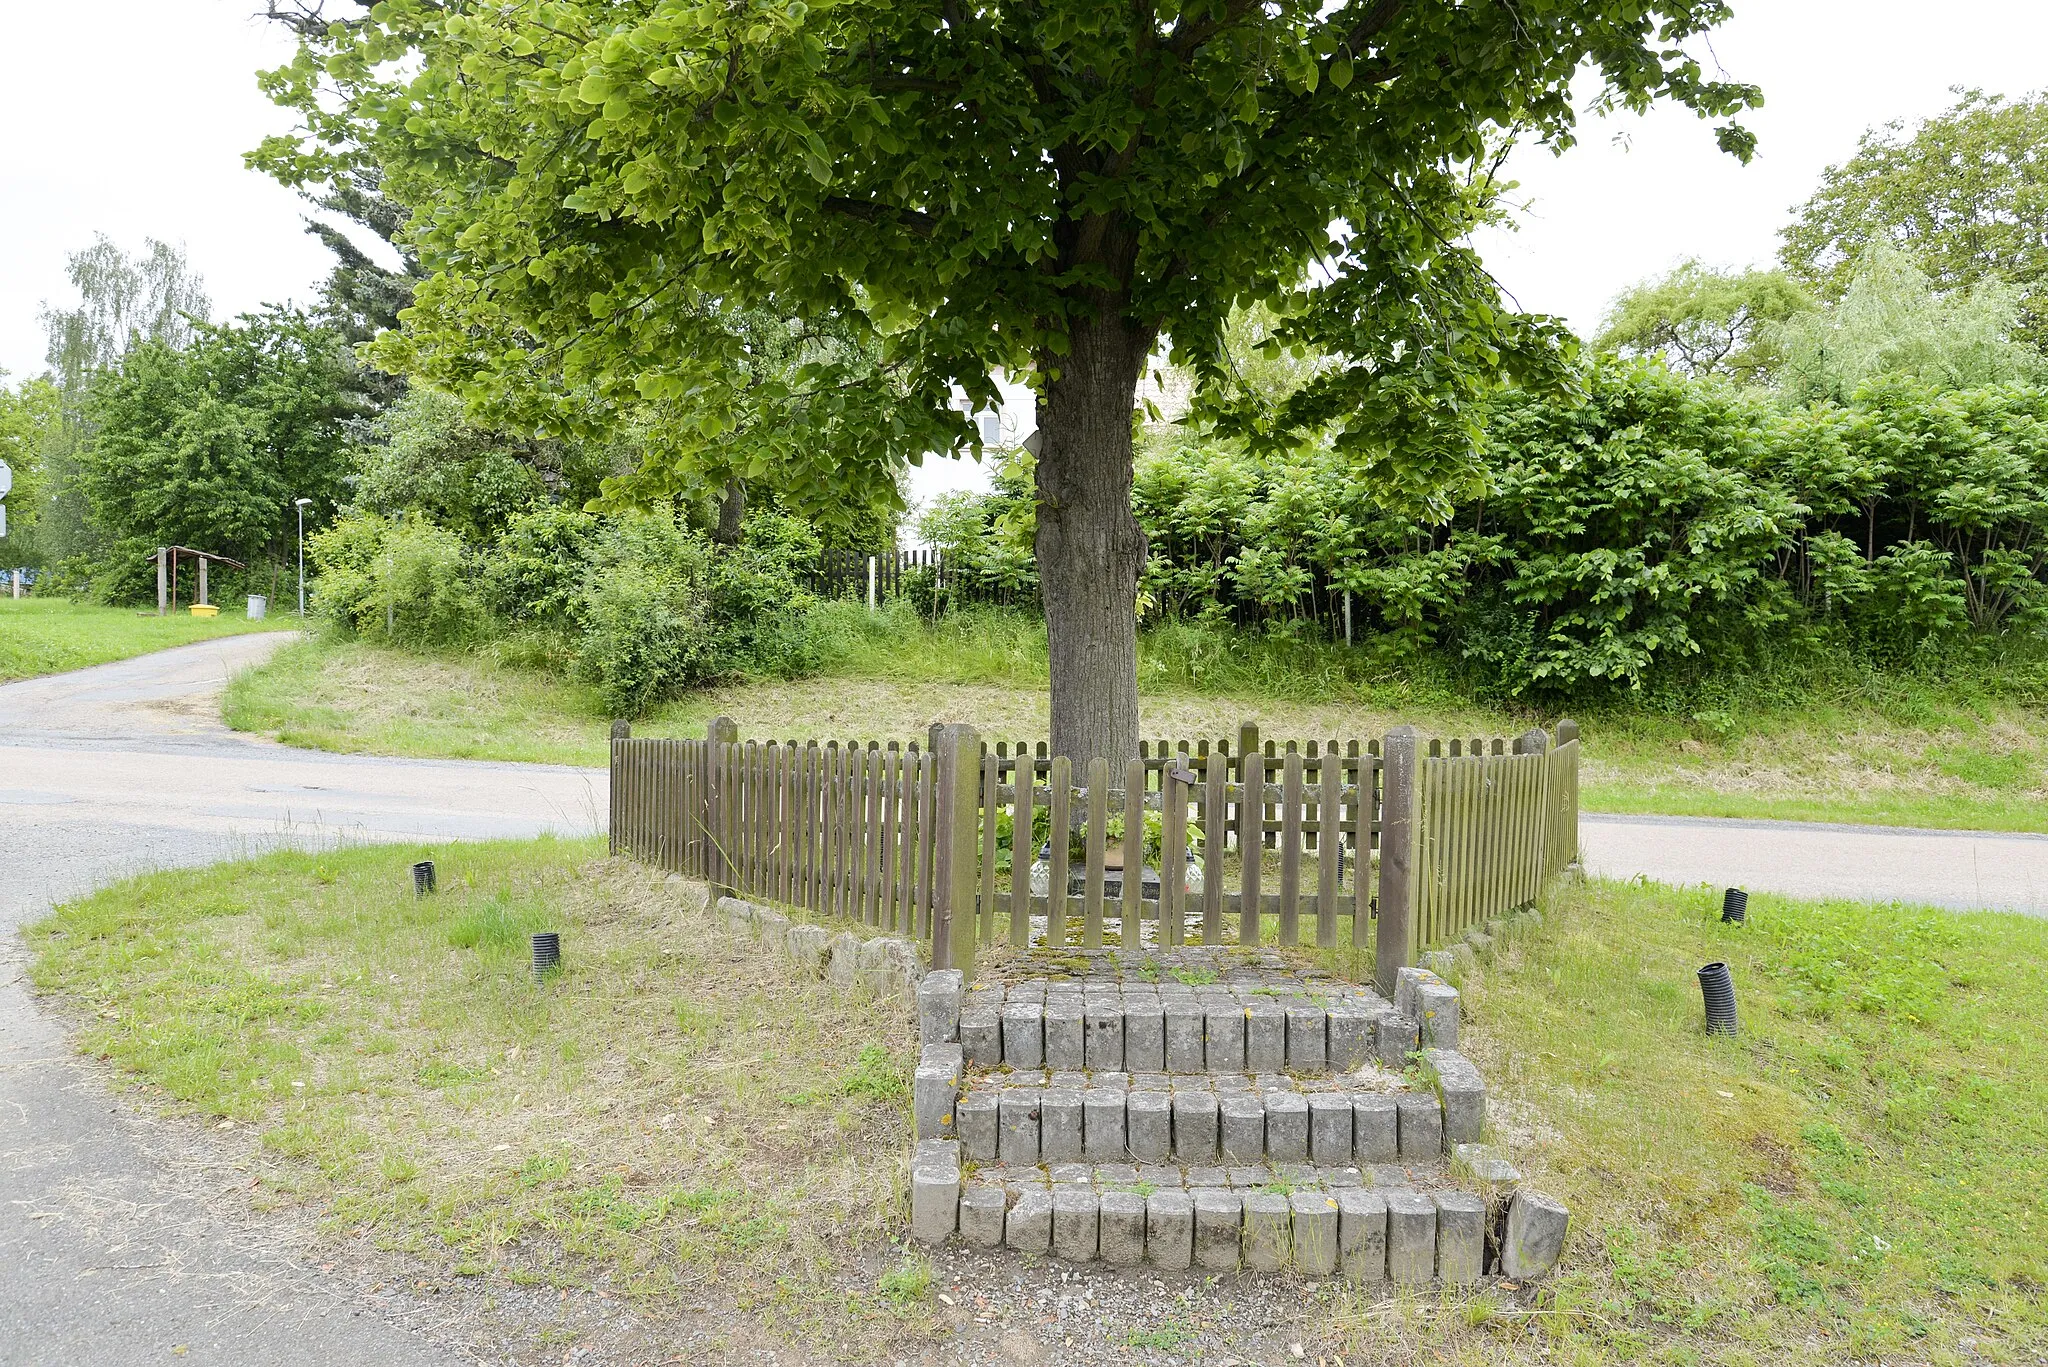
(300, 504)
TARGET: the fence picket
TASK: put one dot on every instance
(989, 804)
(1215, 773)
(1290, 847)
(1056, 840)
(1131, 902)
(927, 842)
(1096, 834)
(1173, 856)
(1023, 849)
(1251, 837)
(1329, 841)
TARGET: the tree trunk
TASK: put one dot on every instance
(732, 509)
(1090, 548)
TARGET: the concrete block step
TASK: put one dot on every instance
(1410, 1224)
(1144, 1029)
(1034, 1116)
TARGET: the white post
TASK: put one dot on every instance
(1347, 617)
(302, 557)
(202, 580)
(17, 583)
(871, 583)
(160, 553)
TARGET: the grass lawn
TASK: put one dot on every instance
(51, 635)
(667, 1115)
(1914, 756)
(1859, 1175)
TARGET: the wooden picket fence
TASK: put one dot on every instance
(1397, 843)
(876, 579)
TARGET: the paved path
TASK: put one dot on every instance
(110, 1252)
(1963, 870)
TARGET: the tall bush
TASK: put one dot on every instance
(1644, 526)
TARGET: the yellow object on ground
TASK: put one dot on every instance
(205, 610)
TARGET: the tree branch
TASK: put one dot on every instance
(867, 211)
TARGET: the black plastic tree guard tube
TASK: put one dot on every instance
(1734, 906)
(423, 878)
(547, 953)
(1719, 991)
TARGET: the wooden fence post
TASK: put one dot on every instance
(958, 839)
(615, 816)
(1567, 732)
(1400, 854)
(718, 829)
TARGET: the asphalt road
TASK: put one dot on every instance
(112, 1249)
(1960, 870)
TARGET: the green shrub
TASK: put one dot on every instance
(1640, 534)
(642, 612)
(408, 583)
(343, 558)
(534, 571)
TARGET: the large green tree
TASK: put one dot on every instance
(30, 424)
(208, 446)
(1891, 321)
(1965, 194)
(1049, 188)
(152, 296)
(1701, 321)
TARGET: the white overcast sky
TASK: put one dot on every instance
(148, 141)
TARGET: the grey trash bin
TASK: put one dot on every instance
(258, 607)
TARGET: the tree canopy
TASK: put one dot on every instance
(209, 445)
(1700, 321)
(1047, 189)
(30, 418)
(1965, 194)
(1891, 321)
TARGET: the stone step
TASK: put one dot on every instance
(1173, 1028)
(1057, 1117)
(1410, 1224)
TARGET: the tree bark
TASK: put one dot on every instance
(1090, 547)
(732, 509)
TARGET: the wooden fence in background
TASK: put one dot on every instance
(875, 579)
(1240, 840)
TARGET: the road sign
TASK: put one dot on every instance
(6, 479)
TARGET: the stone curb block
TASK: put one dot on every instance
(938, 1007)
(1411, 1238)
(1460, 1238)
(1463, 1093)
(935, 1091)
(935, 1190)
(1535, 1235)
(982, 1210)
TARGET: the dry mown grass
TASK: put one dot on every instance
(1983, 765)
(672, 1116)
